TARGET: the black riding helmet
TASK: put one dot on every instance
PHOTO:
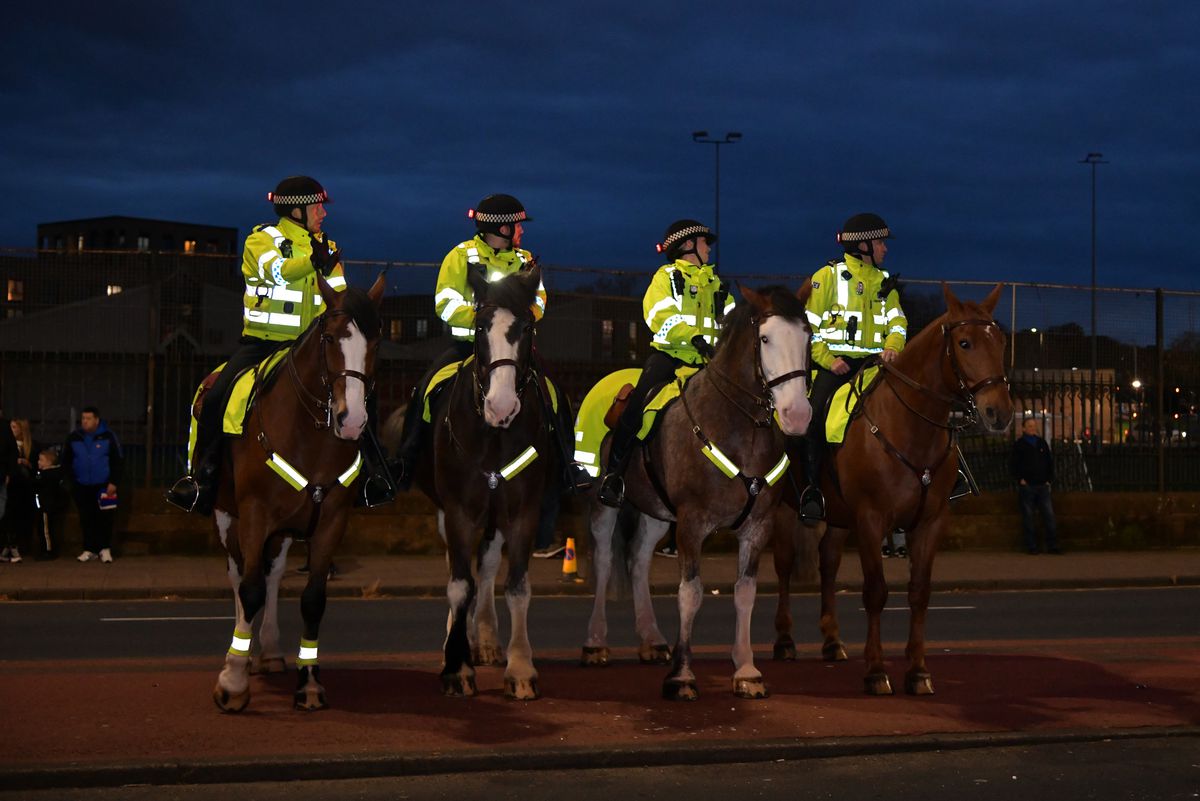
(862, 228)
(496, 211)
(297, 192)
(679, 234)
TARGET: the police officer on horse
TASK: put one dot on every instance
(280, 264)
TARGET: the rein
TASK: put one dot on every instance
(303, 393)
(762, 398)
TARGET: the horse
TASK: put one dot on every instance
(291, 475)
(895, 468)
(714, 462)
(491, 460)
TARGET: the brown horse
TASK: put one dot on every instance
(896, 468)
(759, 373)
(491, 461)
(290, 475)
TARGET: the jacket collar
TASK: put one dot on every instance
(293, 230)
(857, 265)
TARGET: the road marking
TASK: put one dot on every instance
(931, 608)
(159, 619)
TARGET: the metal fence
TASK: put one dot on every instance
(133, 333)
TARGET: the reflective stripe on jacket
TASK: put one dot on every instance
(847, 315)
(282, 297)
(681, 303)
(454, 300)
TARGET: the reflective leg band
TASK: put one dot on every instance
(720, 460)
(347, 478)
(241, 643)
(288, 473)
(777, 471)
(520, 463)
(308, 652)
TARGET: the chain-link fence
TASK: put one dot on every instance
(134, 333)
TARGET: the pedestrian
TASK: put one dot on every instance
(50, 501)
(18, 519)
(1032, 465)
(8, 466)
(92, 459)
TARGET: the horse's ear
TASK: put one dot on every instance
(328, 293)
(478, 284)
(756, 298)
(533, 274)
(952, 301)
(989, 303)
(805, 291)
(375, 293)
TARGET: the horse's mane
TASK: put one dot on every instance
(783, 302)
(357, 303)
(512, 292)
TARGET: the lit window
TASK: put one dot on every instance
(606, 337)
(143, 243)
(397, 330)
(633, 340)
(16, 290)
(113, 289)
(79, 242)
(189, 246)
(422, 328)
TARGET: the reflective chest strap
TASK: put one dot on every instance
(523, 460)
(298, 481)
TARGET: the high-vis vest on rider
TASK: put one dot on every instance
(848, 317)
(281, 296)
(681, 303)
(455, 300)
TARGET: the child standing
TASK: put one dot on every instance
(50, 498)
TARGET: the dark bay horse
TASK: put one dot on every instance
(491, 461)
(291, 475)
(738, 409)
(895, 469)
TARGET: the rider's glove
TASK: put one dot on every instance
(703, 347)
(322, 260)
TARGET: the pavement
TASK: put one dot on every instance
(111, 722)
(204, 577)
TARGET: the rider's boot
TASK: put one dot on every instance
(812, 502)
(379, 485)
(195, 492)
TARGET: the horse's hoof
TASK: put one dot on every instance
(275, 664)
(784, 652)
(310, 700)
(659, 654)
(594, 656)
(521, 689)
(918, 684)
(750, 688)
(488, 655)
(230, 702)
(878, 684)
(834, 652)
(455, 686)
(680, 691)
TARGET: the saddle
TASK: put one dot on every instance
(242, 390)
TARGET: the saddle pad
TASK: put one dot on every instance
(446, 373)
(590, 429)
(240, 395)
(842, 406)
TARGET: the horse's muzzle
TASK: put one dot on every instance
(794, 418)
(995, 407)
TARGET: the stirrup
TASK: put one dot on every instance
(612, 490)
(812, 504)
(962, 487)
(376, 491)
(184, 494)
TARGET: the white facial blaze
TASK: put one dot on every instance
(785, 351)
(354, 401)
(501, 403)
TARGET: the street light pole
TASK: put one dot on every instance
(702, 137)
(1092, 159)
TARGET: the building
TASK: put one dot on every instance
(136, 233)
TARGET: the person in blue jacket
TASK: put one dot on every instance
(92, 460)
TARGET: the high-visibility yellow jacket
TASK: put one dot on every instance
(847, 315)
(681, 303)
(455, 300)
(282, 297)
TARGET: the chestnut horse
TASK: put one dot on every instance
(757, 378)
(491, 461)
(291, 475)
(896, 468)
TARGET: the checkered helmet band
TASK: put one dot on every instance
(686, 233)
(501, 219)
(298, 200)
(863, 236)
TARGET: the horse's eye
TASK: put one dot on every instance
(965, 344)
(764, 339)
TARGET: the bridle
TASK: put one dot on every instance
(318, 408)
(481, 371)
(761, 398)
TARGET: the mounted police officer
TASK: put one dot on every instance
(280, 263)
(494, 253)
(685, 308)
(855, 313)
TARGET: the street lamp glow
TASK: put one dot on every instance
(1137, 383)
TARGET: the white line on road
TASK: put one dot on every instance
(159, 619)
(931, 609)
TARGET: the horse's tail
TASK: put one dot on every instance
(620, 577)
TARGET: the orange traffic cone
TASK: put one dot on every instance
(570, 571)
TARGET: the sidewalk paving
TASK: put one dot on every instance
(204, 577)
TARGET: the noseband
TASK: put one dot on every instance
(322, 408)
(481, 371)
(970, 391)
(762, 398)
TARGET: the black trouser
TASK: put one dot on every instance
(412, 439)
(251, 351)
(659, 369)
(97, 524)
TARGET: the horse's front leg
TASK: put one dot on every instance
(310, 693)
(652, 647)
(602, 522)
(922, 546)
(484, 629)
(869, 533)
(458, 675)
(520, 676)
(680, 684)
(747, 679)
(830, 550)
(783, 547)
(232, 691)
(269, 656)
